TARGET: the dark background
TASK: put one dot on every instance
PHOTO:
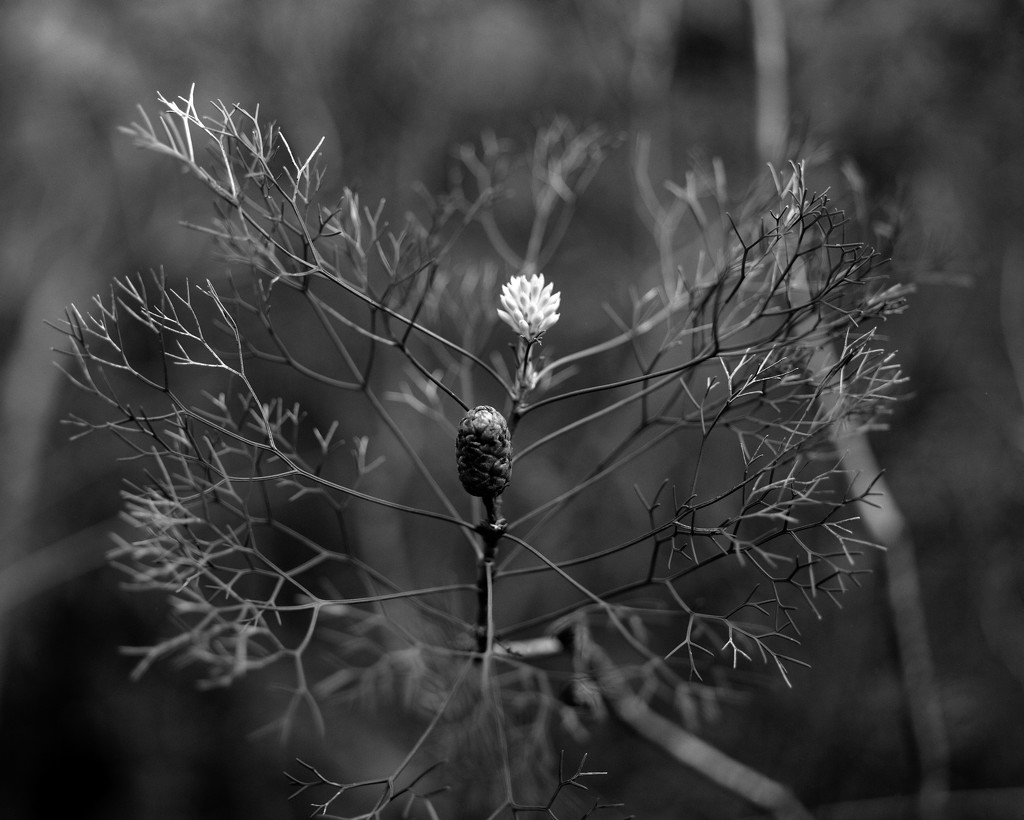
(926, 96)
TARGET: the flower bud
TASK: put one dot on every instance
(529, 305)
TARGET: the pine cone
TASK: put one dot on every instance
(483, 450)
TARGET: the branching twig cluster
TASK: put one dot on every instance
(717, 358)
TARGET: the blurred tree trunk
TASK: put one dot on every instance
(27, 390)
(772, 68)
(882, 517)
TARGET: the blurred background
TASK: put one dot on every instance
(926, 97)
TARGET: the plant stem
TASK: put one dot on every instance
(524, 350)
(491, 530)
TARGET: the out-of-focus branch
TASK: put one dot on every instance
(887, 526)
(883, 518)
(29, 386)
(46, 567)
(1011, 304)
(772, 67)
(689, 750)
(1002, 616)
(682, 746)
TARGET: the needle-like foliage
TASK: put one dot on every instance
(708, 413)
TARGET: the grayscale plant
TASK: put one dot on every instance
(701, 424)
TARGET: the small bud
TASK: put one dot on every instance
(483, 451)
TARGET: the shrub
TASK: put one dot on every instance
(638, 516)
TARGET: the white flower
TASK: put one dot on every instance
(528, 305)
